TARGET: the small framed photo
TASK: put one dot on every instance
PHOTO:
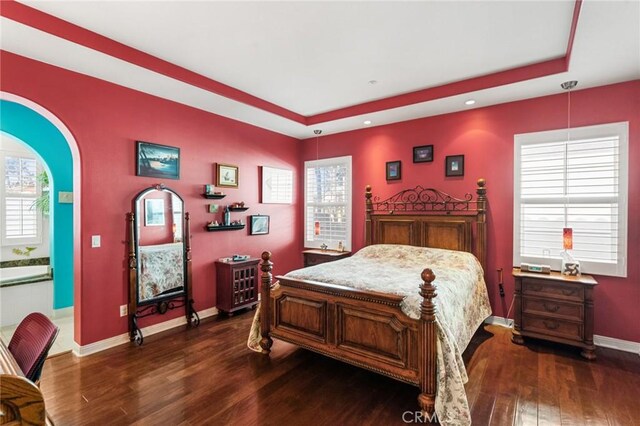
(227, 175)
(394, 170)
(158, 161)
(454, 165)
(153, 212)
(259, 224)
(423, 154)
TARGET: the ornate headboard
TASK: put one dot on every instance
(427, 217)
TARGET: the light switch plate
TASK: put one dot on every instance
(65, 197)
(95, 241)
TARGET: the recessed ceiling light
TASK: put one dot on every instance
(470, 102)
(367, 122)
(373, 81)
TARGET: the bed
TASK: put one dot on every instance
(350, 319)
(161, 270)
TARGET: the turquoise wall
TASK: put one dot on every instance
(43, 137)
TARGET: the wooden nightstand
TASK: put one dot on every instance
(317, 256)
(237, 285)
(554, 307)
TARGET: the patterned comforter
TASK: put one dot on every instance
(161, 270)
(462, 304)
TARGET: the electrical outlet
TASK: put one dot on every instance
(123, 310)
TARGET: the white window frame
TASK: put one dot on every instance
(3, 196)
(346, 160)
(598, 131)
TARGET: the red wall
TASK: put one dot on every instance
(485, 137)
(106, 120)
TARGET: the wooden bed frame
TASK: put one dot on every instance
(368, 329)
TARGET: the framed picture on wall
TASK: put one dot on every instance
(454, 165)
(423, 154)
(227, 175)
(259, 224)
(277, 185)
(153, 212)
(158, 161)
(394, 170)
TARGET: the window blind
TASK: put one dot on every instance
(574, 184)
(328, 202)
(21, 219)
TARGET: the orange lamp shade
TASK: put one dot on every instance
(316, 228)
(567, 238)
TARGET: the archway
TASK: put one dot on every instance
(53, 142)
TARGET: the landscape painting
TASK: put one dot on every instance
(159, 161)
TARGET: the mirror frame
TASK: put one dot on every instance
(162, 304)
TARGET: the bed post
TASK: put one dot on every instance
(265, 303)
(481, 224)
(427, 342)
(367, 221)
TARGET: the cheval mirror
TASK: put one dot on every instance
(159, 258)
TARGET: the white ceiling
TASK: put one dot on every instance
(312, 57)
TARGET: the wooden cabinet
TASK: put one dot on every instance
(237, 285)
(554, 307)
(317, 256)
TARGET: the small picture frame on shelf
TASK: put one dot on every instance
(394, 170)
(423, 154)
(454, 165)
(258, 224)
(226, 175)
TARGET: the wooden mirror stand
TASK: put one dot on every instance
(159, 269)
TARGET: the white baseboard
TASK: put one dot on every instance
(619, 344)
(62, 312)
(603, 341)
(501, 321)
(121, 339)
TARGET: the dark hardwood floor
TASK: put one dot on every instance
(207, 376)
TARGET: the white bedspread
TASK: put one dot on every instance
(462, 304)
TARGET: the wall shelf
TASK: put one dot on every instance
(238, 209)
(224, 227)
(214, 196)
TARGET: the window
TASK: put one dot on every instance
(21, 222)
(577, 182)
(327, 202)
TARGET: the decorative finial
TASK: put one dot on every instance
(568, 85)
(428, 275)
(266, 255)
(482, 182)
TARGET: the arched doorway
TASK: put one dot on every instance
(45, 134)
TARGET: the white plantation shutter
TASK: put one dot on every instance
(21, 220)
(577, 180)
(327, 202)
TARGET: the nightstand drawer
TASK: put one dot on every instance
(565, 291)
(314, 260)
(553, 308)
(552, 327)
(315, 257)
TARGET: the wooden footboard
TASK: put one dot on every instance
(363, 328)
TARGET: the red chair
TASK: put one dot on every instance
(31, 342)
